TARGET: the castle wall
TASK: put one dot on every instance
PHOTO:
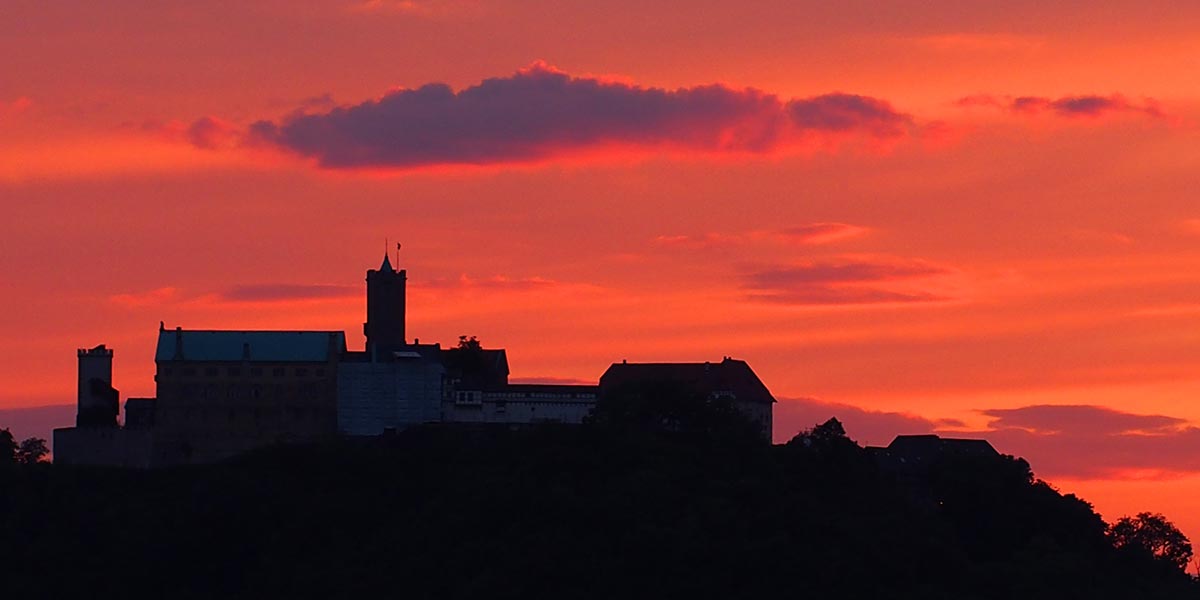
(208, 410)
(376, 396)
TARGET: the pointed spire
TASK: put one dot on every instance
(387, 265)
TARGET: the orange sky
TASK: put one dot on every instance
(914, 219)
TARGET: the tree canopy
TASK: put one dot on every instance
(1153, 535)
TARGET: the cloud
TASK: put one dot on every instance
(1059, 441)
(698, 242)
(807, 234)
(540, 112)
(497, 282)
(417, 8)
(848, 112)
(793, 415)
(1095, 442)
(821, 233)
(37, 421)
(211, 133)
(847, 282)
(1081, 106)
(1079, 419)
(284, 292)
(155, 297)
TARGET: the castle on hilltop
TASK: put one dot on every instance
(223, 392)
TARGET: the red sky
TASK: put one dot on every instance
(955, 217)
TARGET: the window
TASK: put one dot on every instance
(256, 371)
(235, 371)
(320, 372)
(277, 371)
(210, 372)
(189, 372)
(301, 372)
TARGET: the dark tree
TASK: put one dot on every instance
(469, 343)
(32, 451)
(664, 407)
(8, 447)
(1153, 534)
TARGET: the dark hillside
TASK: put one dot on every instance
(559, 512)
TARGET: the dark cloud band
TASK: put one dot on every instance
(540, 112)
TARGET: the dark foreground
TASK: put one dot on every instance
(561, 513)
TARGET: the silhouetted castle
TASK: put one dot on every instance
(220, 393)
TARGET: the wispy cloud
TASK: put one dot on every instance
(416, 8)
(286, 292)
(155, 297)
(807, 234)
(1080, 106)
(495, 282)
(866, 426)
(1052, 419)
(248, 293)
(853, 281)
(702, 241)
(821, 233)
(1095, 442)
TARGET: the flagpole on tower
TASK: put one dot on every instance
(397, 255)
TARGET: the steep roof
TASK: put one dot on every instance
(257, 346)
(729, 375)
(477, 368)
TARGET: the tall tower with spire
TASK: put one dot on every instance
(385, 308)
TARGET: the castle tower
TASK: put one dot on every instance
(385, 308)
(99, 403)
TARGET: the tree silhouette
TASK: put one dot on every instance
(1153, 534)
(8, 447)
(32, 451)
(665, 407)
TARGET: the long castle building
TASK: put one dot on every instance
(223, 392)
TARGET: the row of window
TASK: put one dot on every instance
(550, 395)
(237, 371)
(241, 391)
(232, 415)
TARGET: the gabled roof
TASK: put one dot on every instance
(479, 368)
(255, 346)
(729, 375)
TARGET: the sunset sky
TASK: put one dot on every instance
(980, 219)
